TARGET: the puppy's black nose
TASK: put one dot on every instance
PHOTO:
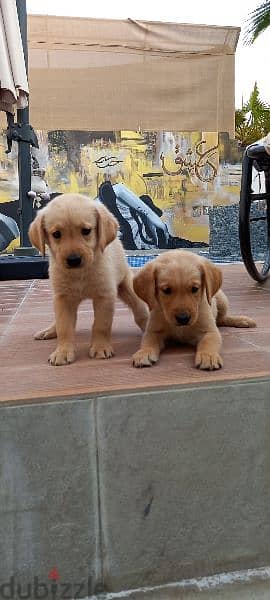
(74, 260)
(182, 318)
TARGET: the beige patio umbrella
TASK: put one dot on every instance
(14, 101)
(13, 78)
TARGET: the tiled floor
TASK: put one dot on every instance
(25, 374)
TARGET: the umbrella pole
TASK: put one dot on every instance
(24, 155)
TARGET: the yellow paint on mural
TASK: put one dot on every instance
(134, 158)
(74, 185)
(14, 244)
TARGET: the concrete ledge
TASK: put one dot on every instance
(136, 490)
(48, 494)
(239, 585)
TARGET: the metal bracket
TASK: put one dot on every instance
(19, 132)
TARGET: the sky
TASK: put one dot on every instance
(252, 62)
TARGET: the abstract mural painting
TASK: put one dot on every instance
(160, 185)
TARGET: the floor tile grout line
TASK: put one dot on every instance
(248, 342)
(3, 335)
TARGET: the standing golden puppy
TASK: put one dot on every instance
(183, 293)
(86, 261)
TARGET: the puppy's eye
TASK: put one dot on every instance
(194, 289)
(57, 234)
(167, 291)
(85, 231)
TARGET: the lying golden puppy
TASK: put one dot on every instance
(183, 293)
(86, 261)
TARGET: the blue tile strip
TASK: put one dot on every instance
(139, 261)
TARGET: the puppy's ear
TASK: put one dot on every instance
(212, 279)
(144, 283)
(37, 233)
(107, 227)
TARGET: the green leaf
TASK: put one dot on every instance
(258, 22)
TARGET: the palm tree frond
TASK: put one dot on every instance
(258, 22)
(252, 121)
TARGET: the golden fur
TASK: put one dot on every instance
(183, 293)
(79, 230)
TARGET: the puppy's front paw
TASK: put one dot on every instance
(46, 334)
(208, 361)
(62, 356)
(145, 358)
(101, 350)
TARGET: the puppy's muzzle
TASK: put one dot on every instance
(74, 260)
(182, 318)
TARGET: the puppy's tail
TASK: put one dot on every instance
(225, 320)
